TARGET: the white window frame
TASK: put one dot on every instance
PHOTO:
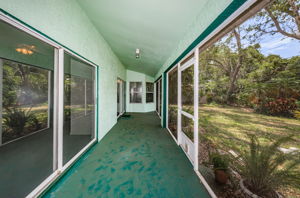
(150, 92)
(58, 105)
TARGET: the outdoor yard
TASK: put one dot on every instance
(232, 124)
(227, 127)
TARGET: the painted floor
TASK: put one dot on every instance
(137, 158)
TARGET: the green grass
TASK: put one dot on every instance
(230, 125)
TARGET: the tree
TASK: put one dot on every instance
(282, 16)
(228, 55)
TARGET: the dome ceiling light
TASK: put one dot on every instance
(137, 53)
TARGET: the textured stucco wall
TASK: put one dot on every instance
(206, 16)
(133, 76)
(66, 22)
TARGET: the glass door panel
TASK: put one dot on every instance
(79, 106)
(26, 112)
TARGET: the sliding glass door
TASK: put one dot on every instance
(79, 106)
(26, 128)
(47, 110)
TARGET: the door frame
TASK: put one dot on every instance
(192, 62)
(167, 104)
(122, 96)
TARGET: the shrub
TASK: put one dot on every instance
(265, 168)
(276, 107)
(16, 119)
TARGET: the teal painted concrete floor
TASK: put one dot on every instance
(137, 158)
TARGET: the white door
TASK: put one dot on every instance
(188, 108)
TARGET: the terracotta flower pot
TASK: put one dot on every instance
(249, 194)
(221, 176)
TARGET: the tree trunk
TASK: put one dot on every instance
(236, 69)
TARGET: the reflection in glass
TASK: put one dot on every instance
(26, 132)
(135, 92)
(79, 106)
(172, 101)
(25, 100)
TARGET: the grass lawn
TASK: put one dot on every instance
(229, 126)
(232, 124)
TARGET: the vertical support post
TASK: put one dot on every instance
(1, 95)
(196, 108)
(179, 105)
(58, 120)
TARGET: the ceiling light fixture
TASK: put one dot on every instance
(137, 53)
(25, 49)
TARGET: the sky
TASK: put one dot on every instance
(280, 45)
(276, 44)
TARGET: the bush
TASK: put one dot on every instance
(276, 107)
(265, 168)
(16, 119)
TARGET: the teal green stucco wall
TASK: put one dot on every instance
(67, 23)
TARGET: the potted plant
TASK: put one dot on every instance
(264, 168)
(220, 164)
